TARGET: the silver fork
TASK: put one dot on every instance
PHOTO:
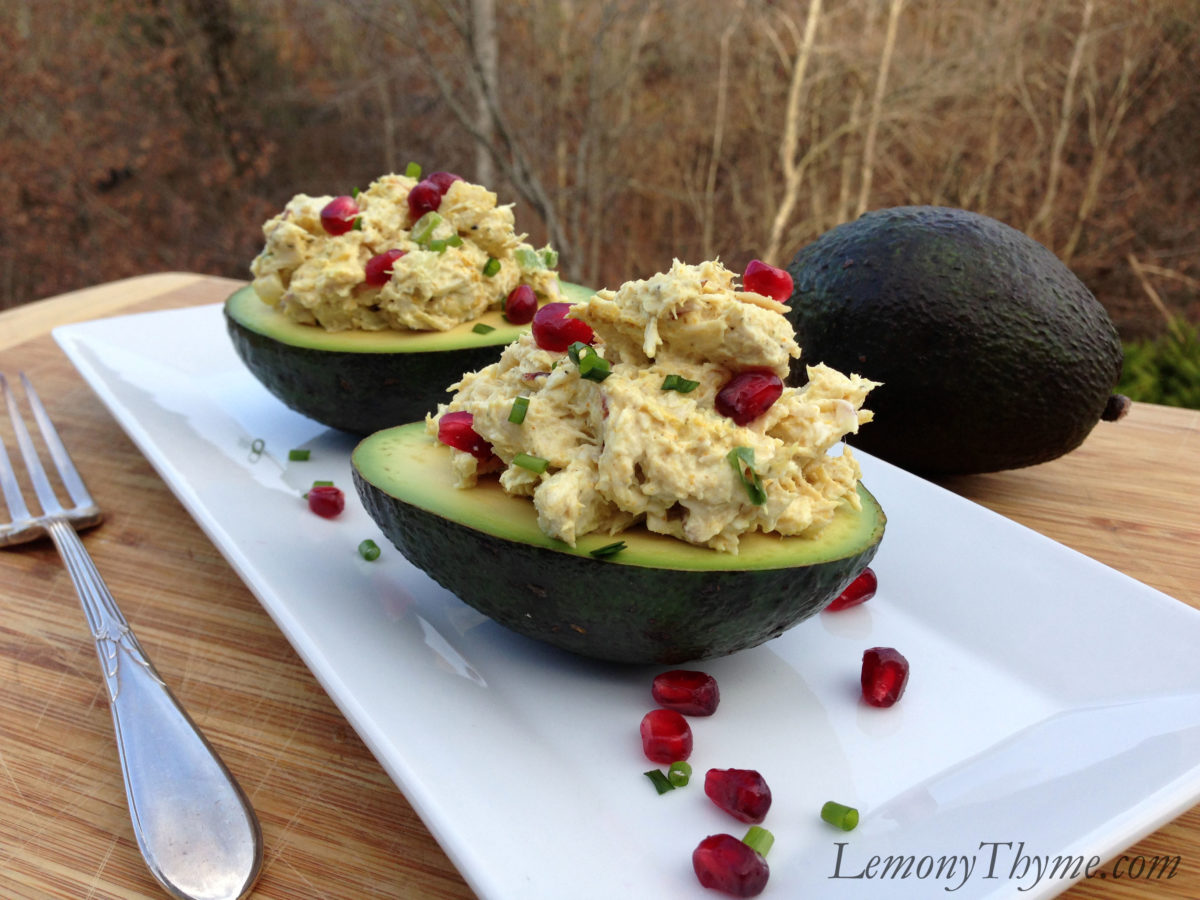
(194, 826)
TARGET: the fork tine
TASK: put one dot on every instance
(58, 452)
(17, 509)
(33, 464)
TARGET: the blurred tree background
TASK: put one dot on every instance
(150, 135)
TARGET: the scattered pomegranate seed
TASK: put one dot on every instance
(769, 281)
(687, 692)
(748, 395)
(456, 429)
(326, 500)
(379, 267)
(520, 305)
(443, 180)
(425, 197)
(339, 214)
(743, 793)
(724, 863)
(554, 330)
(666, 736)
(860, 590)
(884, 676)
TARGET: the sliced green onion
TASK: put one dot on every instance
(368, 550)
(357, 226)
(532, 463)
(491, 267)
(759, 840)
(299, 455)
(520, 406)
(742, 460)
(591, 364)
(594, 367)
(322, 484)
(549, 257)
(424, 227)
(678, 383)
(844, 817)
(660, 781)
(483, 328)
(680, 773)
(608, 550)
(257, 446)
(528, 259)
(413, 170)
(354, 192)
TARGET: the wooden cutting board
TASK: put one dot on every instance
(334, 824)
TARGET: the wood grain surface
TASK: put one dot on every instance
(334, 824)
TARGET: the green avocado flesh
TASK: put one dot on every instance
(362, 381)
(992, 354)
(659, 600)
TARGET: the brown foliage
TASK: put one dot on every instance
(142, 135)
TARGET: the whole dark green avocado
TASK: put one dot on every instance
(992, 354)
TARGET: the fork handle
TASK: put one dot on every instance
(194, 826)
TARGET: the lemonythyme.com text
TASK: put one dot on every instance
(1010, 861)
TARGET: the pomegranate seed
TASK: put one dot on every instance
(553, 330)
(339, 214)
(724, 863)
(884, 676)
(666, 736)
(456, 429)
(748, 395)
(769, 281)
(520, 305)
(326, 500)
(686, 692)
(425, 197)
(379, 267)
(860, 590)
(443, 180)
(742, 793)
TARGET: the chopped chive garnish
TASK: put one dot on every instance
(591, 364)
(413, 170)
(491, 267)
(520, 406)
(608, 550)
(299, 455)
(660, 781)
(844, 817)
(594, 367)
(423, 228)
(368, 550)
(759, 840)
(529, 260)
(257, 446)
(322, 484)
(680, 773)
(742, 460)
(675, 382)
(357, 226)
(549, 257)
(532, 463)
(354, 192)
(483, 328)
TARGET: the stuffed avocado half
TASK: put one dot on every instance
(362, 381)
(656, 600)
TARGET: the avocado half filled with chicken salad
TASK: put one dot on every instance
(364, 308)
(631, 480)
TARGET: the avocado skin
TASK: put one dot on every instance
(602, 608)
(355, 392)
(992, 354)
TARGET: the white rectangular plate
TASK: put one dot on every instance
(1053, 707)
